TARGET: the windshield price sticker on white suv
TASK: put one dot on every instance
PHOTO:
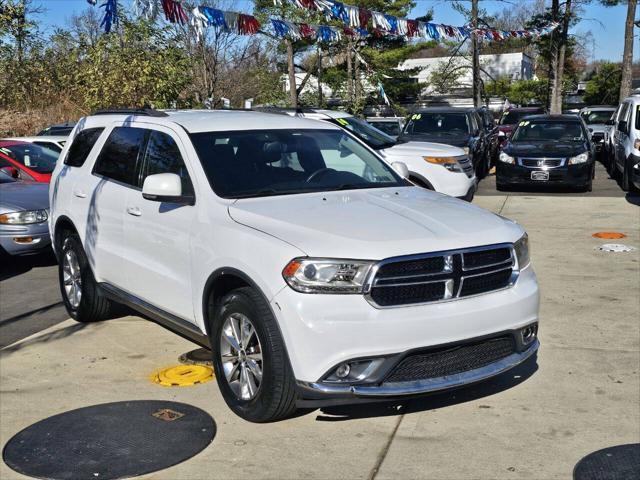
(311, 269)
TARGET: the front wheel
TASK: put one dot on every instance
(250, 360)
(80, 292)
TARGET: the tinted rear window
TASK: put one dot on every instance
(81, 146)
(119, 156)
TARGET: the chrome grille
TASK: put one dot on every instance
(426, 278)
(542, 162)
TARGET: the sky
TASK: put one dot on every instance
(605, 23)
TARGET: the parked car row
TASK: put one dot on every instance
(26, 164)
(622, 144)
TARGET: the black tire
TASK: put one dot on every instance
(93, 305)
(501, 187)
(276, 396)
(626, 181)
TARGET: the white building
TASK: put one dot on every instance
(516, 66)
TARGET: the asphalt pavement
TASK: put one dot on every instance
(580, 394)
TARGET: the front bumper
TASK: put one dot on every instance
(321, 331)
(571, 175)
(15, 238)
(319, 393)
(470, 193)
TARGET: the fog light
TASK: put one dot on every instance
(356, 371)
(343, 370)
(23, 240)
(529, 333)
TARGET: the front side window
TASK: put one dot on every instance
(548, 131)
(35, 157)
(445, 124)
(119, 156)
(243, 164)
(163, 156)
(81, 146)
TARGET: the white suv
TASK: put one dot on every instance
(316, 273)
(626, 144)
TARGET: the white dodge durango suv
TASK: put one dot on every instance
(313, 271)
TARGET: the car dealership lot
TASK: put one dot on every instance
(536, 421)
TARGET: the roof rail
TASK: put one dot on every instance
(148, 112)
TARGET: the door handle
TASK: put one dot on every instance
(135, 211)
(79, 194)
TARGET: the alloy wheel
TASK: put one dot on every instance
(241, 356)
(72, 278)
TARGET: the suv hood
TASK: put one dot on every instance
(418, 149)
(545, 149)
(454, 140)
(374, 224)
(18, 196)
(598, 127)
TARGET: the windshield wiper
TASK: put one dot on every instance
(269, 192)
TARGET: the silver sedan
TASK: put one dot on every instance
(24, 211)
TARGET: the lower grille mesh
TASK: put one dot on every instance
(451, 361)
(406, 295)
(486, 283)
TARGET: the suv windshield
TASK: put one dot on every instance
(242, 164)
(37, 158)
(438, 123)
(548, 131)
(366, 132)
(596, 116)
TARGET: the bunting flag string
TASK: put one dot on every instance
(384, 24)
(358, 22)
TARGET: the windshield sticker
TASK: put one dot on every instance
(524, 123)
(342, 122)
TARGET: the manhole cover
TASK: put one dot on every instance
(609, 235)
(183, 375)
(621, 462)
(112, 440)
(201, 356)
(615, 247)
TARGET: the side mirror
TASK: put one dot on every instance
(10, 171)
(165, 187)
(622, 126)
(401, 169)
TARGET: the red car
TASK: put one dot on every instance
(506, 126)
(27, 161)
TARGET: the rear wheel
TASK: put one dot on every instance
(251, 364)
(627, 184)
(80, 292)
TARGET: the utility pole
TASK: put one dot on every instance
(320, 99)
(627, 56)
(293, 93)
(475, 52)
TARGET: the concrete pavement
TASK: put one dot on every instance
(534, 422)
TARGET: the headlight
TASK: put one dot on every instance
(582, 158)
(522, 252)
(450, 163)
(24, 218)
(506, 158)
(466, 150)
(636, 144)
(502, 134)
(324, 275)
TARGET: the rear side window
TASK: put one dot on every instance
(119, 156)
(638, 117)
(81, 146)
(163, 156)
